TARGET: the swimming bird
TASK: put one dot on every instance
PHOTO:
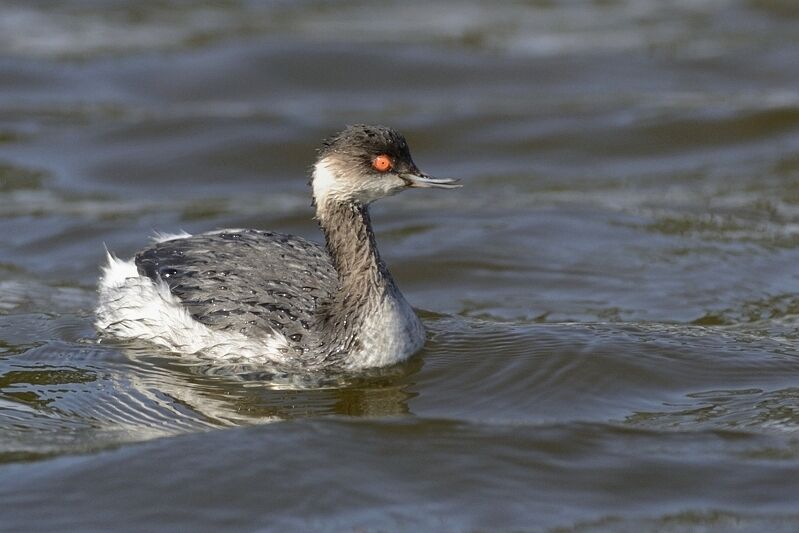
(263, 296)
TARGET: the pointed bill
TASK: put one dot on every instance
(424, 181)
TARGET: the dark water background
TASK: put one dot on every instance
(612, 299)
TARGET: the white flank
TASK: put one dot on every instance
(132, 306)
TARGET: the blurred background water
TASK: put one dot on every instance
(611, 299)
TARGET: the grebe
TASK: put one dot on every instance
(261, 296)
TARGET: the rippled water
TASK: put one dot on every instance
(611, 300)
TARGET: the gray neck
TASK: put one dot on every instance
(364, 280)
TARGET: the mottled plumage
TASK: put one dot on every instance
(278, 298)
(235, 280)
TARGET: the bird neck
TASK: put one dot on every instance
(367, 321)
(352, 247)
(366, 297)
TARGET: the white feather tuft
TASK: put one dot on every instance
(159, 236)
(132, 306)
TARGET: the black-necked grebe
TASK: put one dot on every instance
(247, 294)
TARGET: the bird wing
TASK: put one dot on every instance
(250, 281)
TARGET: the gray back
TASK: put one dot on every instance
(250, 281)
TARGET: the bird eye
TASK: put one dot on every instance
(382, 163)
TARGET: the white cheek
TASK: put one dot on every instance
(379, 188)
(324, 183)
(328, 186)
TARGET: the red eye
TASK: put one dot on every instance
(382, 163)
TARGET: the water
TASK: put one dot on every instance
(611, 300)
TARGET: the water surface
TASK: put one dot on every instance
(611, 300)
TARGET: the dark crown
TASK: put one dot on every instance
(364, 139)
